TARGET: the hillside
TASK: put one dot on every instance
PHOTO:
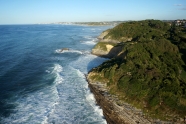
(147, 66)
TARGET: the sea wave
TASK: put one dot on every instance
(68, 51)
(81, 52)
(56, 71)
(89, 96)
(91, 42)
(37, 106)
(48, 84)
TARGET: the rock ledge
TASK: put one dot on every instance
(116, 112)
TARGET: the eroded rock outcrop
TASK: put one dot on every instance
(103, 34)
(140, 76)
(107, 49)
(105, 37)
(119, 112)
(114, 113)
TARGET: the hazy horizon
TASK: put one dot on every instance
(53, 11)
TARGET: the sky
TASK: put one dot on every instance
(50, 11)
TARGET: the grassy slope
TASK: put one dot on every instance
(152, 75)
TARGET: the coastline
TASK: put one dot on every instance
(117, 111)
(114, 113)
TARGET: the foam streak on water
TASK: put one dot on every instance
(47, 85)
(36, 107)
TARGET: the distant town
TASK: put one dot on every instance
(178, 22)
(114, 23)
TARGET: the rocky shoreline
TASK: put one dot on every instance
(117, 112)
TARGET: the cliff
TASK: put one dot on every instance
(107, 49)
(116, 112)
(146, 71)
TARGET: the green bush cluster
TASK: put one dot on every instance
(140, 30)
(152, 75)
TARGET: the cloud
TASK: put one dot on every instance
(184, 8)
(177, 4)
(180, 6)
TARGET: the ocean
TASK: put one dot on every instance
(39, 83)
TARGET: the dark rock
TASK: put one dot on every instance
(66, 49)
(113, 113)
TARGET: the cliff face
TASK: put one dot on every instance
(106, 49)
(103, 34)
(148, 72)
(119, 112)
(107, 37)
(109, 47)
(114, 113)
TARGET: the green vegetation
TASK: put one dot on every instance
(152, 75)
(148, 29)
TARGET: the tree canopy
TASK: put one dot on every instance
(152, 75)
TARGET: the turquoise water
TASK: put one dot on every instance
(39, 84)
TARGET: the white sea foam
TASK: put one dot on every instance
(37, 106)
(56, 71)
(47, 71)
(61, 102)
(90, 97)
(92, 42)
(87, 62)
(81, 52)
(34, 108)
(65, 98)
(68, 51)
(73, 107)
(57, 68)
(60, 51)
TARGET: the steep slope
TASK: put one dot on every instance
(148, 70)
